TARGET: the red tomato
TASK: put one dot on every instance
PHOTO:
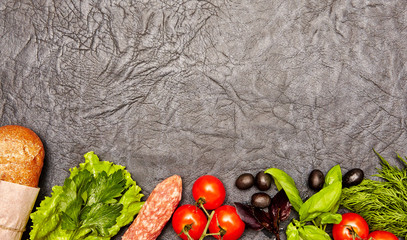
(227, 218)
(210, 189)
(190, 216)
(382, 235)
(352, 225)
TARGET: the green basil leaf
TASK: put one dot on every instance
(312, 232)
(336, 207)
(334, 175)
(328, 218)
(292, 232)
(323, 201)
(284, 181)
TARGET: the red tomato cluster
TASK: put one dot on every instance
(209, 193)
(353, 226)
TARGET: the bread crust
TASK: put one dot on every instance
(21, 155)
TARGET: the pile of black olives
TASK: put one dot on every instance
(262, 181)
(353, 177)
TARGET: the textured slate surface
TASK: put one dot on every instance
(207, 87)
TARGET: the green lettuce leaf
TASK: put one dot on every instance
(96, 200)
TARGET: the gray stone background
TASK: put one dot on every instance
(207, 87)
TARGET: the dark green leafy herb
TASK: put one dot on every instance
(101, 217)
(383, 204)
(91, 201)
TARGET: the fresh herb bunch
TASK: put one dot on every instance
(383, 204)
(317, 211)
(96, 200)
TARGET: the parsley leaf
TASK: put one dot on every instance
(70, 218)
(106, 188)
(91, 201)
(101, 217)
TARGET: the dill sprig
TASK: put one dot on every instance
(383, 204)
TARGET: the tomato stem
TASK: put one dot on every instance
(203, 208)
(201, 201)
(188, 236)
(213, 234)
(204, 234)
(185, 230)
(353, 232)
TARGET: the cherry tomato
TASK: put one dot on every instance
(189, 216)
(229, 221)
(210, 189)
(382, 235)
(352, 225)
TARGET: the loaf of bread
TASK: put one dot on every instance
(21, 155)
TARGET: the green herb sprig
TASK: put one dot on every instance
(383, 204)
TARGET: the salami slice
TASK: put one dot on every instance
(156, 211)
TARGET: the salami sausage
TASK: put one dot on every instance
(156, 211)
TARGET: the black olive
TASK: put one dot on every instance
(353, 177)
(245, 181)
(261, 200)
(316, 180)
(263, 181)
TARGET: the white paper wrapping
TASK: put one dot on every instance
(16, 204)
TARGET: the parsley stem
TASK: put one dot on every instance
(73, 234)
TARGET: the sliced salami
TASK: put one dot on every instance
(156, 211)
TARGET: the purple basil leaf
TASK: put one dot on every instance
(279, 210)
(246, 213)
(280, 206)
(264, 219)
